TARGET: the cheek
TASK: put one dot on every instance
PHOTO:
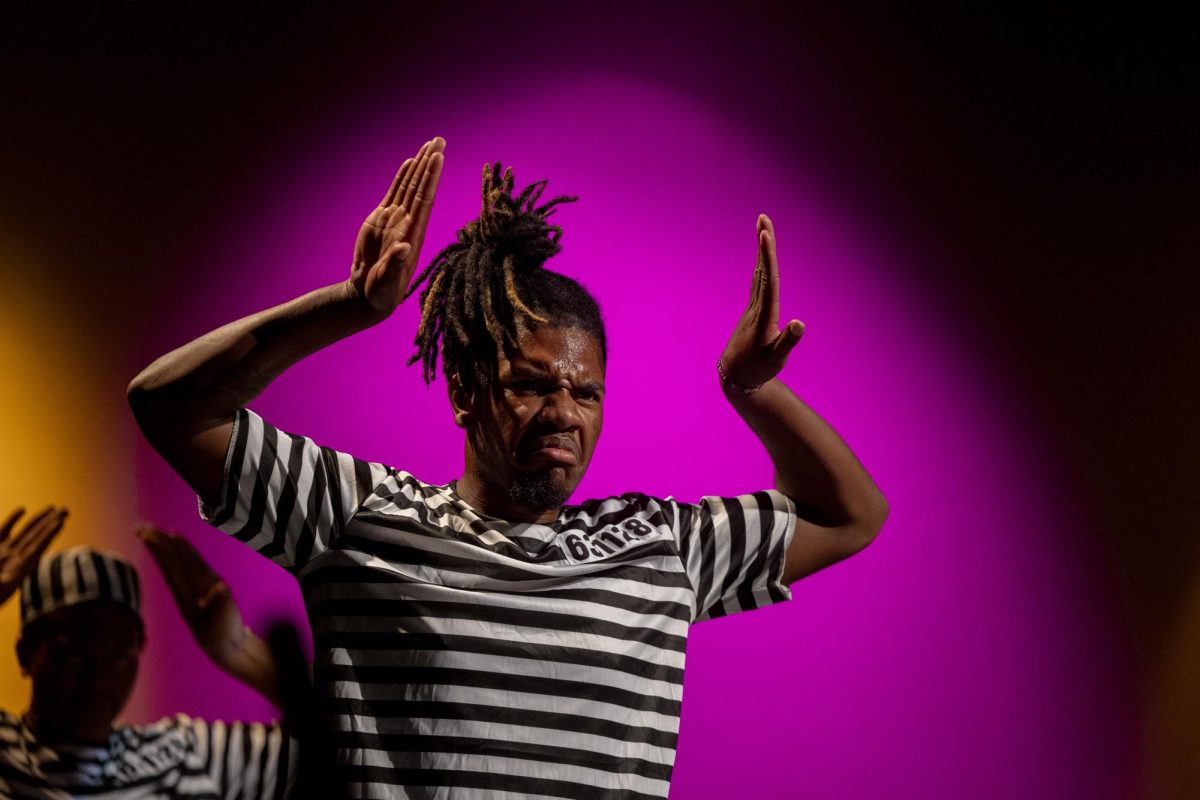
(595, 425)
(516, 417)
(57, 684)
(113, 686)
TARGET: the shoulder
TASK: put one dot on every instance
(254, 433)
(765, 501)
(177, 727)
(195, 734)
(10, 729)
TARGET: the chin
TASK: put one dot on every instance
(540, 491)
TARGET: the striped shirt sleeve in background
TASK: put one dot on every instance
(290, 498)
(241, 760)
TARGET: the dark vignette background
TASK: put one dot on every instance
(1046, 163)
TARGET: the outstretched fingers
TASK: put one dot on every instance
(423, 197)
(156, 542)
(770, 282)
(763, 308)
(413, 169)
(758, 348)
(422, 204)
(429, 162)
(10, 521)
(397, 182)
(408, 175)
(39, 532)
(20, 554)
(163, 546)
(756, 284)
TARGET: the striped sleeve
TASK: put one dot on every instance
(243, 760)
(733, 550)
(285, 496)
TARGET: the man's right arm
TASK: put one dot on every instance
(185, 402)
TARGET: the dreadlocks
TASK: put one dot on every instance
(491, 282)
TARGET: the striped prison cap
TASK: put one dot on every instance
(79, 575)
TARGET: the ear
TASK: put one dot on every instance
(460, 400)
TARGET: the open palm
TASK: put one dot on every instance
(19, 553)
(758, 349)
(389, 241)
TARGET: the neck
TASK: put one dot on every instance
(495, 502)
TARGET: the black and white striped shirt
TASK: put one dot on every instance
(175, 757)
(460, 655)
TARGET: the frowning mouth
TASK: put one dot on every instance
(557, 449)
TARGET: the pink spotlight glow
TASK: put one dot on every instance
(951, 659)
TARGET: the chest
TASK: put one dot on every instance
(430, 580)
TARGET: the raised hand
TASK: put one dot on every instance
(758, 349)
(203, 598)
(19, 553)
(389, 242)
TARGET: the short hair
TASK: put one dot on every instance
(482, 290)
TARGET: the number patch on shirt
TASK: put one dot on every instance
(581, 547)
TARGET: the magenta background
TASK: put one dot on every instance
(946, 660)
(987, 218)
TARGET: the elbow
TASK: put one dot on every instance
(141, 399)
(865, 522)
(156, 407)
(872, 518)
(135, 392)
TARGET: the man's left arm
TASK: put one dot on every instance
(839, 508)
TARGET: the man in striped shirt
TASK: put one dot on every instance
(484, 639)
(81, 639)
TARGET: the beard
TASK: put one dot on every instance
(538, 491)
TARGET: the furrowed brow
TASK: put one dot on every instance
(539, 370)
(529, 371)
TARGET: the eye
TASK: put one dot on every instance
(523, 387)
(587, 394)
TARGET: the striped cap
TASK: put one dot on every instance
(79, 575)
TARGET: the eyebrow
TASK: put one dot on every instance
(537, 370)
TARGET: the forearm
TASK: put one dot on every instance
(207, 380)
(186, 400)
(251, 663)
(813, 466)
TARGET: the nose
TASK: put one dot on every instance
(560, 409)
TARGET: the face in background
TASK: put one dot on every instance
(531, 437)
(83, 661)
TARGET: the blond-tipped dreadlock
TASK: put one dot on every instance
(492, 280)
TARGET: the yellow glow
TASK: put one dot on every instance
(62, 426)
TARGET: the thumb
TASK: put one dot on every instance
(384, 287)
(786, 340)
(393, 263)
